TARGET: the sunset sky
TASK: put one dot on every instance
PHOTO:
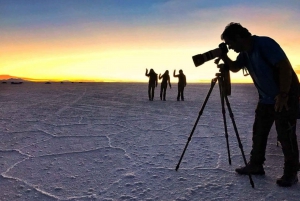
(116, 40)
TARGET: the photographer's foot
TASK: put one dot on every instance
(251, 169)
(287, 180)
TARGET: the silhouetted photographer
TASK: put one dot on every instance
(278, 89)
(277, 86)
(278, 101)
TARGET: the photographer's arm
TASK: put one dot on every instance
(232, 64)
(147, 72)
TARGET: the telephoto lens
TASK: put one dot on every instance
(200, 59)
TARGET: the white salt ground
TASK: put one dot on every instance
(107, 142)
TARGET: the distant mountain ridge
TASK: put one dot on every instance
(10, 78)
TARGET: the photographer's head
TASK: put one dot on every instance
(236, 37)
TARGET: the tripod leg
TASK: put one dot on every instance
(213, 82)
(238, 137)
(221, 87)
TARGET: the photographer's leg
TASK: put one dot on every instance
(264, 118)
(286, 130)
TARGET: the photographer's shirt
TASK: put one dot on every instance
(265, 54)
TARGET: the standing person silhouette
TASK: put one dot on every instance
(181, 84)
(164, 84)
(152, 83)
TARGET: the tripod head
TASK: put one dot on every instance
(224, 75)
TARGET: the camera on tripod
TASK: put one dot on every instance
(224, 74)
(223, 78)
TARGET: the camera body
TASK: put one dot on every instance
(200, 59)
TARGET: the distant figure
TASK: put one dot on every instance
(181, 84)
(152, 83)
(164, 84)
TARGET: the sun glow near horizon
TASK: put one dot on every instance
(95, 63)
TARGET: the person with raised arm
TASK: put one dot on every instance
(153, 80)
(181, 84)
(164, 84)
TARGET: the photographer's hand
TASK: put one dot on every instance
(220, 65)
(217, 60)
(281, 102)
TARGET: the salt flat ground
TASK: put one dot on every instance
(107, 141)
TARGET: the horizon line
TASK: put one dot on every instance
(9, 78)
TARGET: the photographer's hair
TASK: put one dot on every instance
(233, 29)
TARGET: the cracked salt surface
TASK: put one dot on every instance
(107, 142)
